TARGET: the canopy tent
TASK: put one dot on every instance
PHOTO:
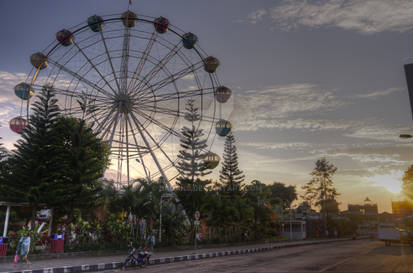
(12, 204)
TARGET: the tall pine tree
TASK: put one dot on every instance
(230, 176)
(35, 163)
(191, 163)
(191, 156)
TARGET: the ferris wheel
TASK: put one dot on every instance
(130, 76)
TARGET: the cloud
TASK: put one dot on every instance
(276, 106)
(363, 16)
(10, 104)
(312, 125)
(376, 132)
(379, 158)
(356, 172)
(257, 15)
(294, 106)
(7, 83)
(7, 112)
(279, 145)
(377, 94)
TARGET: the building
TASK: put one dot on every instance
(293, 230)
(365, 215)
(369, 211)
(302, 222)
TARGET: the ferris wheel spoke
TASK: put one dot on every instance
(94, 66)
(98, 116)
(142, 61)
(174, 113)
(111, 120)
(80, 78)
(70, 93)
(92, 104)
(176, 96)
(155, 159)
(158, 123)
(109, 58)
(101, 125)
(171, 78)
(159, 66)
(167, 168)
(130, 144)
(120, 148)
(127, 149)
(138, 147)
(114, 127)
(160, 146)
(168, 111)
(124, 61)
(74, 110)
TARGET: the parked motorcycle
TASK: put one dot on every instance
(141, 259)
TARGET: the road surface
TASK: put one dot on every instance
(348, 256)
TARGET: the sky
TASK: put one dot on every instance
(310, 79)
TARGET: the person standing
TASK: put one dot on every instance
(23, 247)
(152, 241)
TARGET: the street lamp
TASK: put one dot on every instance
(291, 227)
(165, 195)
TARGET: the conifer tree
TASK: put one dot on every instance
(191, 192)
(191, 156)
(230, 176)
(3, 151)
(35, 163)
(58, 162)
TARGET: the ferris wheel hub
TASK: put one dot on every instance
(124, 102)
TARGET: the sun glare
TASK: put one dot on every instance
(392, 181)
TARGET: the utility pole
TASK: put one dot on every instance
(291, 226)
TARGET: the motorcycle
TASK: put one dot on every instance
(141, 260)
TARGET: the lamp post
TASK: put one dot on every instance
(165, 195)
(291, 226)
(6, 221)
(291, 223)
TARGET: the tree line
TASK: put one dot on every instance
(59, 162)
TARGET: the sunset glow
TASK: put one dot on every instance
(391, 182)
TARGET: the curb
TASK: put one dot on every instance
(166, 260)
(62, 255)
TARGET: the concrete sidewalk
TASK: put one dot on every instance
(85, 264)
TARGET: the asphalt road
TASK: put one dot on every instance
(348, 256)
